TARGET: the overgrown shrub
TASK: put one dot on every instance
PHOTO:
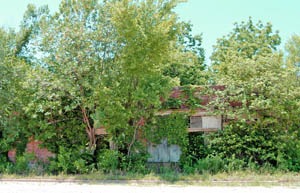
(5, 165)
(136, 163)
(210, 164)
(72, 161)
(245, 145)
(289, 158)
(187, 164)
(25, 163)
(234, 164)
(197, 147)
(108, 160)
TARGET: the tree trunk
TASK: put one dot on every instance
(89, 129)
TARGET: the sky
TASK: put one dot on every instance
(211, 18)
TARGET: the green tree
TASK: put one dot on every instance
(292, 48)
(255, 76)
(12, 97)
(74, 48)
(261, 95)
(102, 64)
(147, 33)
(29, 33)
(247, 40)
(190, 66)
(7, 40)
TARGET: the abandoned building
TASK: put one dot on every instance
(200, 120)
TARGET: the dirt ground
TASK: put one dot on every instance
(67, 187)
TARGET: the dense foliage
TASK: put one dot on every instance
(172, 128)
(260, 99)
(113, 64)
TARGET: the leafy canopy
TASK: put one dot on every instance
(247, 40)
(255, 77)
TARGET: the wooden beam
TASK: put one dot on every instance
(190, 130)
(192, 112)
(100, 131)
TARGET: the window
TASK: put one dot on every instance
(205, 123)
(212, 122)
(195, 122)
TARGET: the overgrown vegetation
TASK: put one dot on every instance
(184, 97)
(171, 127)
(113, 64)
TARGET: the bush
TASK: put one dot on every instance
(25, 163)
(108, 160)
(210, 164)
(247, 143)
(5, 165)
(135, 163)
(233, 164)
(289, 158)
(72, 161)
(187, 164)
(197, 147)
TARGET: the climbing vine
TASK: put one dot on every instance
(184, 97)
(171, 127)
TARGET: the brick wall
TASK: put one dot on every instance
(33, 146)
(41, 154)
